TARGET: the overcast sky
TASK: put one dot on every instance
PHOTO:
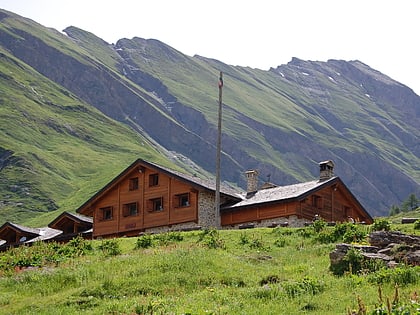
(383, 34)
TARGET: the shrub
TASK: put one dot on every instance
(354, 234)
(308, 285)
(211, 239)
(110, 247)
(402, 275)
(417, 224)
(144, 241)
(352, 263)
(344, 232)
(169, 237)
(319, 225)
(77, 246)
(243, 239)
(381, 225)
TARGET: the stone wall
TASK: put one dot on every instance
(206, 210)
(291, 221)
(391, 247)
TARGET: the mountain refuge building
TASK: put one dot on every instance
(149, 198)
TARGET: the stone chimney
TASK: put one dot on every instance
(252, 181)
(326, 170)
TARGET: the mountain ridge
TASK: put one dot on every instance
(282, 121)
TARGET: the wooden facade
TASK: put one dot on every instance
(329, 199)
(145, 196)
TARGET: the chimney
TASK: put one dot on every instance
(252, 181)
(326, 170)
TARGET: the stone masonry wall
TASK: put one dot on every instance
(291, 221)
(206, 211)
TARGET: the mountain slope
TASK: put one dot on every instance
(55, 150)
(281, 122)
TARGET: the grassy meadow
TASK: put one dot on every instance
(254, 271)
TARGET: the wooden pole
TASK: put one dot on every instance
(218, 155)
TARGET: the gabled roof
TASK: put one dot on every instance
(79, 218)
(281, 193)
(288, 193)
(195, 181)
(34, 234)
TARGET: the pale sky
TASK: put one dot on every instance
(383, 34)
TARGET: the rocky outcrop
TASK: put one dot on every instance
(390, 247)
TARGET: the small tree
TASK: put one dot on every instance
(410, 204)
(394, 210)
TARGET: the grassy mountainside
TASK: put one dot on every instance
(281, 122)
(55, 150)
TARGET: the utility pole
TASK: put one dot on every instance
(218, 154)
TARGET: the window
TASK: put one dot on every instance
(156, 204)
(130, 209)
(183, 200)
(317, 201)
(106, 213)
(153, 179)
(133, 183)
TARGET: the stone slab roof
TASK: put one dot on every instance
(280, 193)
(45, 233)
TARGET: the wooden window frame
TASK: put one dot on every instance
(130, 209)
(317, 201)
(133, 184)
(153, 180)
(183, 200)
(156, 204)
(106, 213)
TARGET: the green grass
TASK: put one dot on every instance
(258, 271)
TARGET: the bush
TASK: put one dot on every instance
(211, 239)
(319, 225)
(344, 232)
(308, 285)
(144, 241)
(417, 224)
(351, 263)
(77, 246)
(110, 247)
(400, 275)
(381, 225)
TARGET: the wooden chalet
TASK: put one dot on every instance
(72, 225)
(326, 198)
(146, 197)
(14, 234)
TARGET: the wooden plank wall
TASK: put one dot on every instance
(168, 188)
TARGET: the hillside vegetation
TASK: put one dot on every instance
(76, 110)
(55, 150)
(256, 271)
